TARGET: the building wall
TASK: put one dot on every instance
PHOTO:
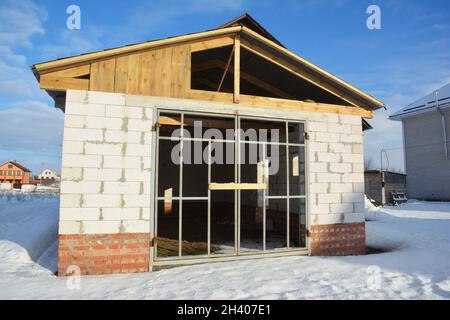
(428, 170)
(372, 186)
(23, 178)
(48, 174)
(106, 189)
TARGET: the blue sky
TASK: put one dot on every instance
(408, 58)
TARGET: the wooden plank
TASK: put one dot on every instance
(211, 44)
(62, 84)
(176, 72)
(144, 73)
(72, 72)
(121, 78)
(206, 123)
(237, 186)
(168, 121)
(166, 72)
(281, 103)
(226, 69)
(89, 58)
(237, 68)
(133, 74)
(211, 96)
(186, 72)
(103, 76)
(156, 65)
(311, 65)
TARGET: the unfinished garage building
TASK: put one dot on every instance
(212, 146)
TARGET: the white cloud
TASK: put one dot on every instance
(147, 17)
(73, 42)
(34, 134)
(21, 20)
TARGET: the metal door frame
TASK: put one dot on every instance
(155, 261)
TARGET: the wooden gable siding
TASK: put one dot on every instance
(165, 71)
(162, 72)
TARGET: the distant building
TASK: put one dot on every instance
(48, 174)
(382, 193)
(15, 174)
(426, 135)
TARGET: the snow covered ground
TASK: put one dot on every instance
(416, 266)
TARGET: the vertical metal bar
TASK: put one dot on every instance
(156, 169)
(180, 188)
(444, 125)
(288, 244)
(209, 198)
(237, 168)
(264, 153)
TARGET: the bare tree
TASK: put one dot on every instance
(369, 164)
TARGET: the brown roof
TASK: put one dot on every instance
(18, 165)
(246, 20)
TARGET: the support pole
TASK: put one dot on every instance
(237, 68)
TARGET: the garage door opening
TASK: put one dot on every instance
(228, 186)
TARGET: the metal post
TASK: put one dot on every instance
(444, 125)
(383, 182)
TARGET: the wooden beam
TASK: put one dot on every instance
(237, 68)
(296, 71)
(62, 84)
(226, 68)
(247, 77)
(212, 44)
(237, 186)
(74, 72)
(46, 67)
(280, 103)
(211, 96)
(206, 123)
(326, 74)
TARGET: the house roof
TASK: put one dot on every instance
(251, 31)
(439, 98)
(17, 165)
(248, 21)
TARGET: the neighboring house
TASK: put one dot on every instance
(128, 203)
(48, 174)
(426, 135)
(15, 174)
(382, 193)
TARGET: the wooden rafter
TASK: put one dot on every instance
(225, 71)
(296, 71)
(245, 76)
(212, 44)
(309, 77)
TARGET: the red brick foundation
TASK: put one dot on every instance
(338, 239)
(104, 254)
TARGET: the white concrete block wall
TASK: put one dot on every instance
(336, 170)
(107, 146)
(105, 186)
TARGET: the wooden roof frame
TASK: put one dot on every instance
(59, 75)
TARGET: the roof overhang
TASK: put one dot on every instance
(407, 114)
